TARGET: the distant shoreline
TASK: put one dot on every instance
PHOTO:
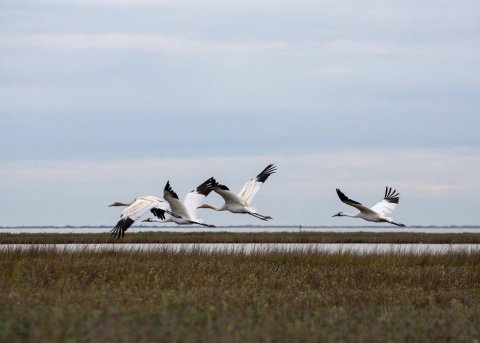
(244, 226)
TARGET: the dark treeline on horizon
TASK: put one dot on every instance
(239, 226)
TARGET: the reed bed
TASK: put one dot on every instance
(310, 296)
(234, 237)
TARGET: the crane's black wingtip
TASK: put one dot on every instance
(342, 196)
(158, 212)
(116, 233)
(391, 195)
(271, 169)
(217, 185)
(222, 187)
(346, 199)
(265, 173)
(206, 187)
(122, 226)
(214, 182)
(169, 189)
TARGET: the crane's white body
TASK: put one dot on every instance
(379, 213)
(185, 213)
(240, 203)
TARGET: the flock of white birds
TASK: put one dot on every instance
(172, 209)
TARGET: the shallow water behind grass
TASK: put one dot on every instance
(246, 229)
(257, 248)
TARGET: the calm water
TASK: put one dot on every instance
(243, 229)
(249, 248)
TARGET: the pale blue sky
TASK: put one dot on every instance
(105, 100)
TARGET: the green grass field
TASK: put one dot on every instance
(54, 296)
(261, 237)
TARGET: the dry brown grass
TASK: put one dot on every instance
(233, 297)
(234, 237)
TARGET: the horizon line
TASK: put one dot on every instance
(236, 226)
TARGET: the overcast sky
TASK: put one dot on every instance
(104, 100)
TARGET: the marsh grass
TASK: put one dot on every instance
(61, 296)
(234, 237)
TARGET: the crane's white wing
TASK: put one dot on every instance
(132, 213)
(137, 209)
(196, 198)
(227, 195)
(176, 206)
(389, 202)
(353, 203)
(251, 187)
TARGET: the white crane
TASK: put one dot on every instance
(241, 203)
(378, 213)
(136, 209)
(185, 213)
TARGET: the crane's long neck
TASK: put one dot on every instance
(221, 208)
(352, 215)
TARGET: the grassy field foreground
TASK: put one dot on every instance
(209, 297)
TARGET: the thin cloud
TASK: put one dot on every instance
(149, 42)
(166, 43)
